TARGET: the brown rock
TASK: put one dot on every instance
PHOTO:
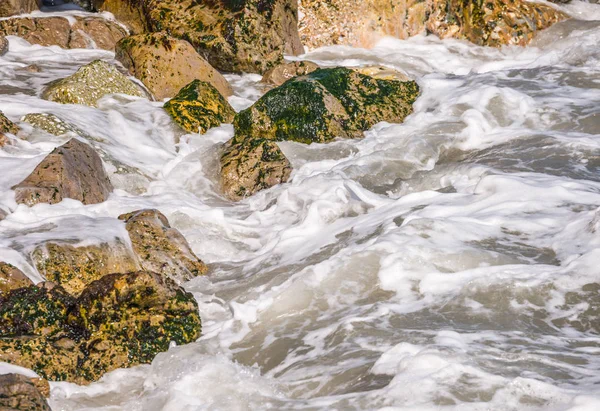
(165, 64)
(75, 267)
(3, 45)
(18, 392)
(93, 32)
(6, 126)
(11, 277)
(73, 170)
(160, 248)
(13, 7)
(283, 72)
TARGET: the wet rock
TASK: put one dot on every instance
(32, 68)
(198, 107)
(3, 214)
(73, 170)
(86, 32)
(3, 45)
(491, 23)
(283, 72)
(50, 124)
(326, 104)
(75, 267)
(18, 392)
(160, 248)
(90, 83)
(250, 165)
(12, 7)
(118, 321)
(583, 308)
(6, 127)
(11, 277)
(234, 36)
(166, 64)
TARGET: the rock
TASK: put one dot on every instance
(11, 277)
(6, 126)
(86, 32)
(491, 23)
(160, 248)
(234, 36)
(250, 165)
(75, 267)
(90, 83)
(13, 7)
(50, 124)
(18, 392)
(198, 107)
(118, 321)
(3, 45)
(32, 68)
(73, 170)
(326, 104)
(166, 64)
(3, 214)
(88, 5)
(285, 71)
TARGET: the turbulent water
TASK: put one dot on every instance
(447, 263)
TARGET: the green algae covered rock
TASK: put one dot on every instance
(90, 83)
(326, 104)
(198, 107)
(118, 321)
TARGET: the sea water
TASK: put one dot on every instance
(447, 263)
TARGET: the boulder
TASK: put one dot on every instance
(161, 248)
(3, 45)
(90, 83)
(285, 71)
(490, 23)
(73, 170)
(75, 267)
(250, 165)
(6, 127)
(85, 32)
(198, 107)
(11, 277)
(13, 7)
(121, 320)
(18, 392)
(50, 124)
(166, 64)
(234, 36)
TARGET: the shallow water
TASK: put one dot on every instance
(449, 262)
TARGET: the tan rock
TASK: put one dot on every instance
(166, 64)
(13, 7)
(6, 126)
(93, 32)
(283, 72)
(73, 170)
(131, 13)
(160, 248)
(3, 45)
(12, 278)
(18, 392)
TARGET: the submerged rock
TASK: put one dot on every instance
(165, 64)
(234, 36)
(160, 248)
(11, 277)
(50, 124)
(75, 267)
(90, 83)
(12, 7)
(18, 392)
(283, 72)
(73, 170)
(118, 321)
(198, 107)
(251, 165)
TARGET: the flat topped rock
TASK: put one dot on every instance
(90, 83)
(73, 170)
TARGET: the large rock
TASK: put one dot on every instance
(198, 107)
(250, 165)
(11, 277)
(13, 7)
(6, 126)
(75, 267)
(20, 393)
(73, 170)
(165, 64)
(362, 24)
(86, 32)
(161, 248)
(285, 71)
(118, 321)
(90, 83)
(234, 36)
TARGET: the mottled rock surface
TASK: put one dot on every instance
(3, 45)
(73, 170)
(50, 124)
(11, 277)
(161, 248)
(12, 7)
(20, 393)
(198, 107)
(6, 126)
(166, 64)
(283, 72)
(90, 83)
(75, 267)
